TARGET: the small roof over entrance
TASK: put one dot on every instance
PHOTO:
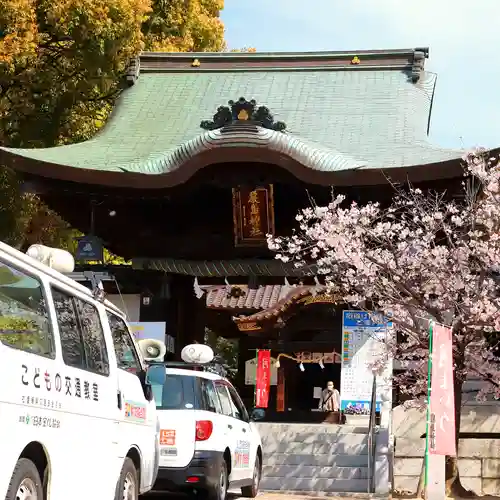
(265, 306)
(328, 117)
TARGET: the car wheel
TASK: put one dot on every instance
(25, 483)
(253, 490)
(127, 487)
(220, 489)
(45, 482)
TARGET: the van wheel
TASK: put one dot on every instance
(219, 491)
(25, 483)
(253, 490)
(127, 487)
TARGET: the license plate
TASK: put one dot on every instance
(168, 452)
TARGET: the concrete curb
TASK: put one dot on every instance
(318, 494)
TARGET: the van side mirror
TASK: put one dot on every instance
(257, 414)
(156, 375)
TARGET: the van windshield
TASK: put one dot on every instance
(177, 393)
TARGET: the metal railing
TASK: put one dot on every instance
(372, 438)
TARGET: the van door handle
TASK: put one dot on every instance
(244, 430)
(119, 399)
(229, 426)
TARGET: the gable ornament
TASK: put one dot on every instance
(243, 112)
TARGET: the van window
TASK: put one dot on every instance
(69, 331)
(239, 410)
(82, 338)
(24, 321)
(177, 393)
(93, 338)
(210, 400)
(225, 401)
(126, 355)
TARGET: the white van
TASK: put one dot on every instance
(77, 415)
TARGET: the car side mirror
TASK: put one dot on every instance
(148, 392)
(257, 414)
(156, 375)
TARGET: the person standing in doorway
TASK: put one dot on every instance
(330, 398)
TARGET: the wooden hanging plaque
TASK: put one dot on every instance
(253, 215)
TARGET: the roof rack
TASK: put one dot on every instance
(95, 279)
(191, 366)
(182, 364)
(88, 275)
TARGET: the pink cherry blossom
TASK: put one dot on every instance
(427, 257)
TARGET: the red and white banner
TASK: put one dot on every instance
(442, 404)
(263, 379)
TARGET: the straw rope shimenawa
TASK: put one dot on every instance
(302, 361)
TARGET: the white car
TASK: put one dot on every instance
(208, 442)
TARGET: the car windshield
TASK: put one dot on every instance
(177, 393)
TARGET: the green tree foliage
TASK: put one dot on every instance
(61, 69)
(185, 26)
(61, 66)
(225, 350)
(245, 49)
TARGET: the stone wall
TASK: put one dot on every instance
(479, 459)
(476, 418)
(479, 464)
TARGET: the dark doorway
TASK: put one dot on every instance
(300, 395)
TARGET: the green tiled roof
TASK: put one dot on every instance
(338, 118)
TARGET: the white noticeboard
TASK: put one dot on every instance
(251, 372)
(363, 339)
(153, 330)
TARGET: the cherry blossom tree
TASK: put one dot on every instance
(429, 256)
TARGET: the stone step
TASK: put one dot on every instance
(325, 460)
(311, 471)
(363, 420)
(323, 485)
(273, 440)
(321, 458)
(275, 428)
(345, 448)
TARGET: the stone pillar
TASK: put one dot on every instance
(384, 449)
(383, 452)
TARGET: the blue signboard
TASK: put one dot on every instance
(89, 248)
(362, 335)
(364, 319)
(358, 407)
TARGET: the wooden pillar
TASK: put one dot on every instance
(280, 390)
(291, 371)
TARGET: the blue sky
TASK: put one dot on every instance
(463, 37)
